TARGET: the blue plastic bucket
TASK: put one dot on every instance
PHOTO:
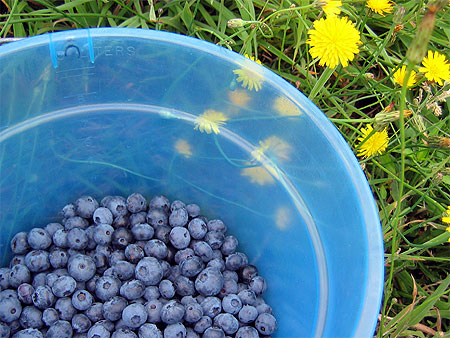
(116, 111)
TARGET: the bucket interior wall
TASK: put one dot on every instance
(101, 113)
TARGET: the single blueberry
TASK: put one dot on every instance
(115, 256)
(19, 274)
(177, 204)
(193, 210)
(122, 221)
(233, 262)
(39, 239)
(31, 317)
(159, 202)
(117, 205)
(230, 286)
(37, 261)
(212, 306)
(153, 308)
(85, 206)
(123, 333)
(140, 217)
(19, 244)
(102, 215)
(214, 239)
(17, 259)
(191, 267)
(51, 228)
(134, 315)
(60, 238)
(81, 267)
(166, 289)
(103, 234)
(81, 323)
(209, 282)
(28, 333)
(68, 211)
(101, 262)
(151, 292)
(197, 228)
(65, 308)
(213, 332)
(190, 333)
(90, 284)
(149, 271)
(90, 234)
(183, 254)
(203, 250)
(204, 323)
(266, 324)
(176, 330)
(43, 297)
(132, 289)
(156, 248)
(136, 203)
(112, 308)
(247, 272)
(162, 233)
(75, 222)
(157, 218)
(264, 308)
(50, 316)
(184, 286)
(217, 225)
(227, 274)
(227, 322)
(95, 312)
(229, 245)
(172, 312)
(179, 237)
(123, 270)
(258, 285)
(5, 330)
(82, 300)
(142, 231)
(77, 239)
(166, 269)
(247, 297)
(25, 292)
(247, 332)
(193, 312)
(98, 331)
(247, 314)
(231, 304)
(58, 258)
(149, 331)
(107, 287)
(39, 279)
(64, 286)
(178, 218)
(121, 237)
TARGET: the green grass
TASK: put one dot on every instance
(416, 301)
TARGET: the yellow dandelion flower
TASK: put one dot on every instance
(436, 67)
(249, 78)
(380, 6)
(210, 121)
(272, 147)
(183, 148)
(375, 144)
(239, 97)
(446, 218)
(399, 77)
(258, 175)
(282, 218)
(286, 107)
(331, 7)
(333, 40)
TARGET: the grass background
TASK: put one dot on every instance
(416, 302)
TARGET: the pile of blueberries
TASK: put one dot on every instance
(128, 268)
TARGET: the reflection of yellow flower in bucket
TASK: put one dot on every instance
(210, 121)
(282, 217)
(183, 148)
(286, 107)
(274, 148)
(259, 175)
(239, 97)
(249, 78)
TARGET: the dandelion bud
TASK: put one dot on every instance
(438, 142)
(398, 15)
(383, 118)
(369, 76)
(437, 178)
(235, 23)
(418, 123)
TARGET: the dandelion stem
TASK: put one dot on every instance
(318, 86)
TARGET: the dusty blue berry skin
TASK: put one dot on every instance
(247, 314)
(102, 215)
(159, 202)
(214, 332)
(39, 239)
(258, 285)
(231, 304)
(203, 250)
(98, 331)
(247, 297)
(136, 203)
(179, 237)
(157, 218)
(227, 274)
(153, 308)
(17, 259)
(64, 286)
(134, 315)
(75, 222)
(264, 308)
(95, 312)
(107, 287)
(123, 270)
(193, 312)
(10, 309)
(103, 234)
(81, 323)
(193, 210)
(142, 231)
(172, 312)
(176, 330)
(227, 322)
(82, 300)
(149, 331)
(28, 333)
(151, 292)
(123, 333)
(50, 316)
(212, 306)
(60, 238)
(5, 330)
(65, 308)
(156, 248)
(19, 274)
(132, 289)
(115, 256)
(25, 292)
(191, 267)
(229, 245)
(77, 239)
(149, 271)
(51, 228)
(112, 308)
(197, 228)
(266, 324)
(229, 287)
(134, 253)
(177, 204)
(183, 254)
(204, 323)
(247, 332)
(58, 258)
(37, 261)
(81, 267)
(121, 237)
(166, 289)
(19, 243)
(178, 218)
(140, 217)
(214, 239)
(217, 225)
(85, 206)
(43, 297)
(184, 286)
(217, 263)
(162, 233)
